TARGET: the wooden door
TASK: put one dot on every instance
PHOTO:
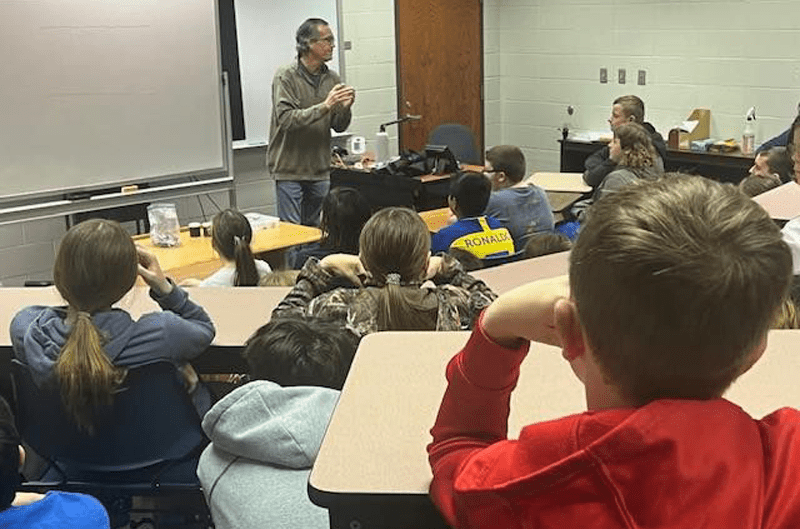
(439, 67)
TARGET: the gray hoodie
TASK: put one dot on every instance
(264, 440)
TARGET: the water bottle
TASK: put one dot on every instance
(749, 133)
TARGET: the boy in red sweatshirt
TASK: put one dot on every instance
(672, 286)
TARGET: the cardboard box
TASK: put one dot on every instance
(701, 118)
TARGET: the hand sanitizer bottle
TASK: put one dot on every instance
(749, 133)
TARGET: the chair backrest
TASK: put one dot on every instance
(459, 139)
(152, 421)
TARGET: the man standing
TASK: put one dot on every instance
(624, 109)
(308, 99)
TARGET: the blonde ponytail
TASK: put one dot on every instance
(87, 378)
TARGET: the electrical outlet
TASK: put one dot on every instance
(642, 78)
(603, 75)
(621, 76)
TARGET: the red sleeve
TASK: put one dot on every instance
(474, 410)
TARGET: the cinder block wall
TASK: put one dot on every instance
(724, 55)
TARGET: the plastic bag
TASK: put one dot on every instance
(165, 229)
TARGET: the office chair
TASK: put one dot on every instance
(459, 139)
(146, 443)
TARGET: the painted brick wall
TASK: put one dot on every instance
(723, 55)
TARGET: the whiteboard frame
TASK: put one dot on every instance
(43, 204)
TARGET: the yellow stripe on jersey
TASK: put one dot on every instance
(486, 242)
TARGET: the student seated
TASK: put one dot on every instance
(520, 206)
(87, 345)
(28, 510)
(626, 109)
(394, 262)
(634, 157)
(344, 212)
(266, 434)
(231, 235)
(671, 291)
(774, 162)
(474, 231)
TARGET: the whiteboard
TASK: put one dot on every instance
(265, 30)
(104, 93)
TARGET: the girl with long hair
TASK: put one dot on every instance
(393, 263)
(231, 235)
(632, 149)
(344, 213)
(86, 346)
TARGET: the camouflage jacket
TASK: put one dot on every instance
(458, 296)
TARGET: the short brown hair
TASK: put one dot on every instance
(755, 185)
(780, 163)
(631, 106)
(676, 282)
(509, 159)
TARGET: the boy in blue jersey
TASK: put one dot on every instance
(479, 234)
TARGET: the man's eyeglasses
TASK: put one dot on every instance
(330, 41)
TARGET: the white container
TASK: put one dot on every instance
(382, 147)
(749, 132)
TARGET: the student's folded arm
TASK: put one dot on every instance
(526, 313)
(287, 107)
(598, 165)
(188, 329)
(312, 281)
(474, 411)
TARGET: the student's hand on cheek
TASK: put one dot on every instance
(434, 265)
(344, 265)
(150, 271)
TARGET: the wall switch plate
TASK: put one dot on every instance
(603, 75)
(348, 45)
(621, 76)
(642, 78)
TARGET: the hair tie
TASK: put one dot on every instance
(393, 279)
(83, 314)
(237, 240)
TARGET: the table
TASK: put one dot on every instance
(195, 257)
(560, 182)
(372, 469)
(236, 312)
(782, 203)
(730, 167)
(421, 193)
(505, 277)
